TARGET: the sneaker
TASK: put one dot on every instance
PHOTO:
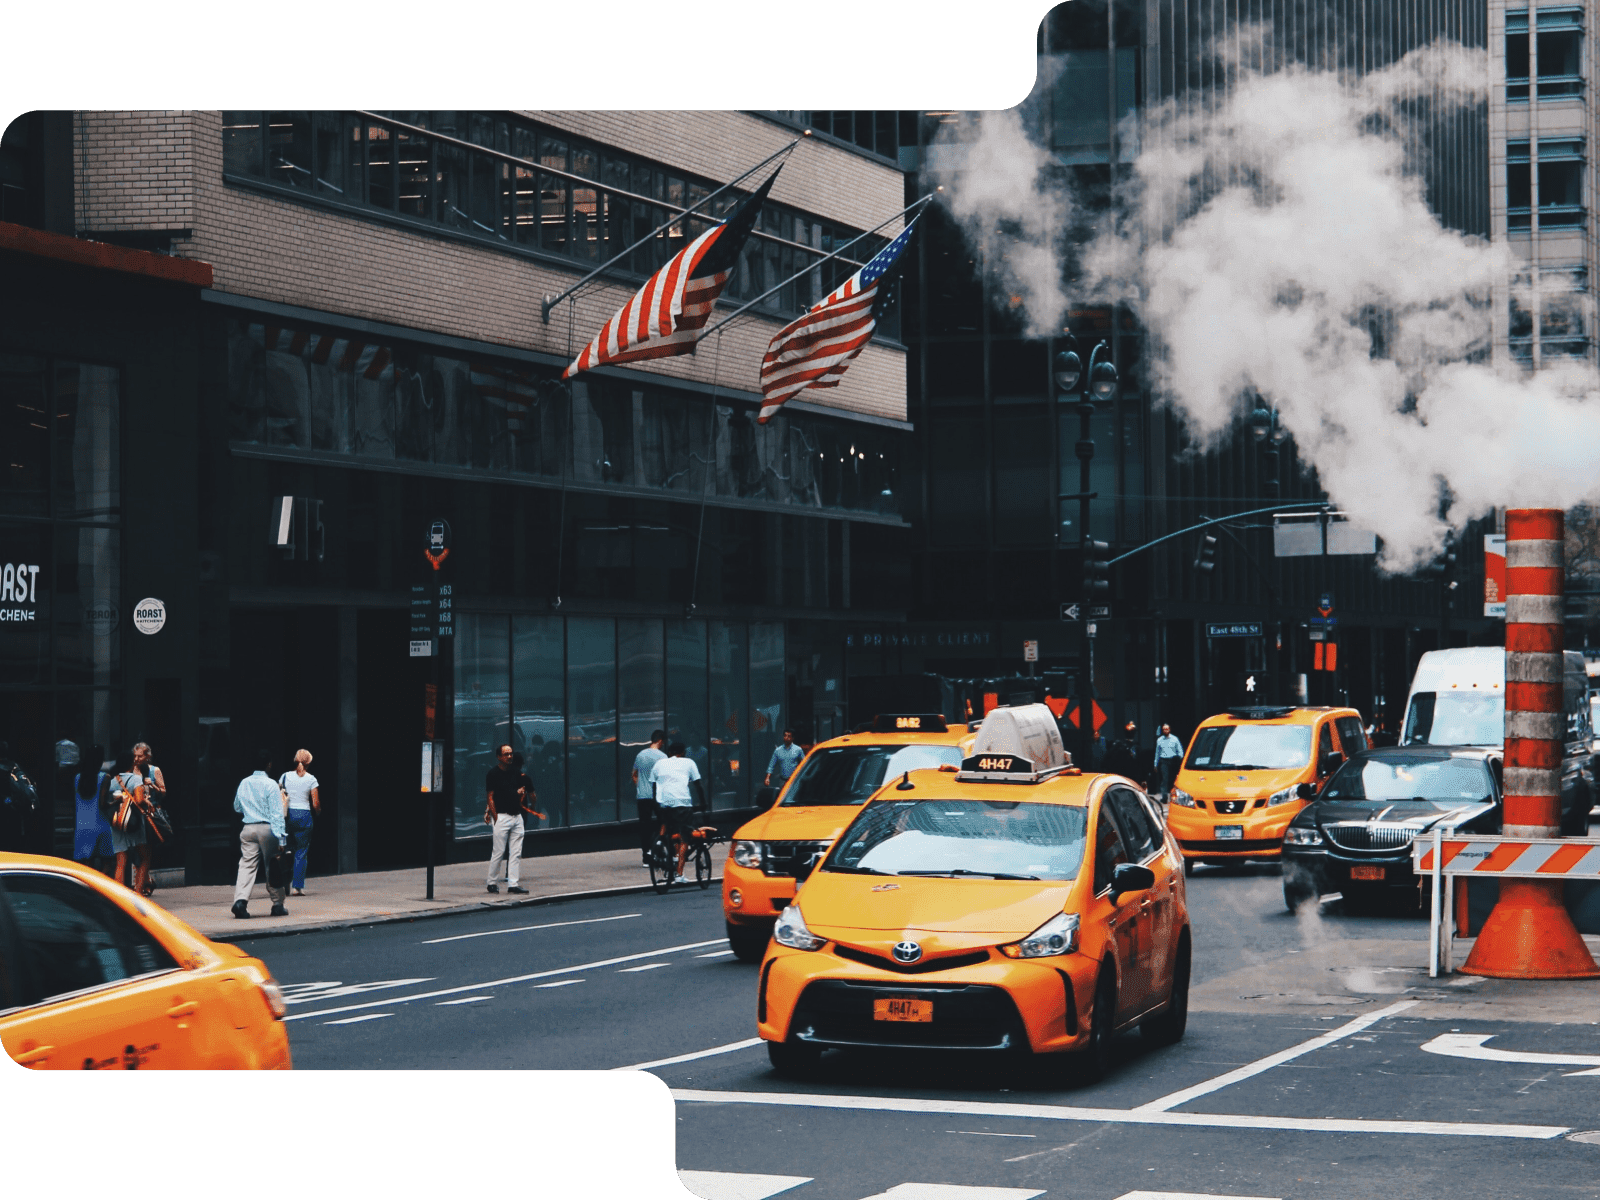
(494, 889)
(279, 910)
(517, 891)
(241, 909)
(681, 879)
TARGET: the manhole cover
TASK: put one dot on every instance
(1592, 1136)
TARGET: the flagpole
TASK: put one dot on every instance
(550, 302)
(740, 310)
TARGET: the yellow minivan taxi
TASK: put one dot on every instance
(1249, 771)
(95, 977)
(772, 852)
(1011, 904)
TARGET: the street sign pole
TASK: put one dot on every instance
(436, 600)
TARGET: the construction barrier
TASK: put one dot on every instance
(1446, 856)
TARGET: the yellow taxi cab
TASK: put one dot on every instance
(771, 853)
(1247, 774)
(1008, 904)
(95, 977)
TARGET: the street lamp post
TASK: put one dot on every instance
(1100, 384)
(1269, 435)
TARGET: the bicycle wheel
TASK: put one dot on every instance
(662, 862)
(702, 866)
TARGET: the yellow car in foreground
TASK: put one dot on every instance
(95, 977)
(1010, 904)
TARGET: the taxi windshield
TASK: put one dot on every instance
(1455, 719)
(1250, 748)
(850, 774)
(1445, 782)
(991, 839)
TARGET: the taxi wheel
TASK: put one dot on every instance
(1297, 890)
(1166, 1029)
(748, 945)
(795, 1059)
(1094, 1060)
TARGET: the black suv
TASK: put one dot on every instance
(1356, 838)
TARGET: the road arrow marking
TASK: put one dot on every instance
(1471, 1045)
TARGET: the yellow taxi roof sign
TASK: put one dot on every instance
(1023, 742)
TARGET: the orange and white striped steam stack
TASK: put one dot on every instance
(1529, 935)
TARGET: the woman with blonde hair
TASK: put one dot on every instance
(299, 788)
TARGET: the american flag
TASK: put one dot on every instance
(815, 350)
(666, 315)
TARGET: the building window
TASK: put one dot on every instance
(1561, 169)
(1558, 44)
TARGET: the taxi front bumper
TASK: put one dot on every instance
(824, 999)
(1259, 830)
(761, 896)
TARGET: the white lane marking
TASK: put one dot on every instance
(666, 1062)
(714, 954)
(732, 1185)
(466, 1000)
(1120, 1116)
(364, 1017)
(987, 1133)
(1470, 1045)
(494, 983)
(1273, 1060)
(461, 937)
(646, 967)
(557, 983)
(954, 1191)
(305, 993)
(1186, 1196)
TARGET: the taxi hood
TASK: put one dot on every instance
(1236, 784)
(834, 901)
(820, 824)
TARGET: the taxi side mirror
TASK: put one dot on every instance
(1330, 761)
(1306, 791)
(1131, 878)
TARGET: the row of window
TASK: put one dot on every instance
(1561, 169)
(1558, 43)
(377, 165)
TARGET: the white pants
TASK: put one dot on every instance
(507, 845)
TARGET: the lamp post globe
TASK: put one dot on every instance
(1068, 369)
(1261, 421)
(1103, 381)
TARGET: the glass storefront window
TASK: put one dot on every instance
(539, 726)
(26, 595)
(482, 712)
(730, 771)
(766, 696)
(686, 691)
(25, 434)
(641, 696)
(591, 720)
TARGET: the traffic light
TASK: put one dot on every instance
(1205, 558)
(1096, 570)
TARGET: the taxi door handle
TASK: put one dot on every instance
(38, 1054)
(183, 1010)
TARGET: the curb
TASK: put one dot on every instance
(427, 914)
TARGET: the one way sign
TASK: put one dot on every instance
(1074, 612)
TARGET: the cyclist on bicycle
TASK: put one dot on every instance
(677, 782)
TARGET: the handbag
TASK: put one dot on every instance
(280, 867)
(128, 818)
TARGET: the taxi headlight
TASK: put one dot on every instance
(1302, 837)
(791, 931)
(1058, 935)
(1288, 796)
(747, 854)
(1179, 796)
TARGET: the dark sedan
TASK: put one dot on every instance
(1356, 838)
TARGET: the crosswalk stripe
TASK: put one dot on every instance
(363, 1017)
(954, 1191)
(732, 1185)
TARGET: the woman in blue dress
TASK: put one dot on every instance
(91, 835)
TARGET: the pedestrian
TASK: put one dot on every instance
(506, 789)
(91, 834)
(260, 801)
(785, 758)
(135, 842)
(1122, 756)
(1169, 755)
(155, 791)
(299, 788)
(644, 793)
(678, 785)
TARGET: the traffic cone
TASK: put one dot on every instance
(1529, 934)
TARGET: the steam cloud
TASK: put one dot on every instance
(1262, 239)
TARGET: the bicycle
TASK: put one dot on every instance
(664, 857)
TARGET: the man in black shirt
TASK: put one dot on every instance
(507, 790)
(1122, 756)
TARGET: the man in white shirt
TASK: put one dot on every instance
(677, 784)
(644, 792)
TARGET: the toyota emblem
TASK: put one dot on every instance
(907, 952)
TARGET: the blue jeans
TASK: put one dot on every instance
(300, 822)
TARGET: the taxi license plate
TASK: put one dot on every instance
(1366, 872)
(1230, 833)
(895, 1009)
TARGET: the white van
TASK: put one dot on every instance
(1458, 698)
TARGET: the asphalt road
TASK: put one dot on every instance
(627, 981)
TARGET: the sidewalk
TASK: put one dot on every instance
(371, 897)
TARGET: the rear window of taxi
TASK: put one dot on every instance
(851, 774)
(996, 839)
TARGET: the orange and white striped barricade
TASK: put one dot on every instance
(1445, 856)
